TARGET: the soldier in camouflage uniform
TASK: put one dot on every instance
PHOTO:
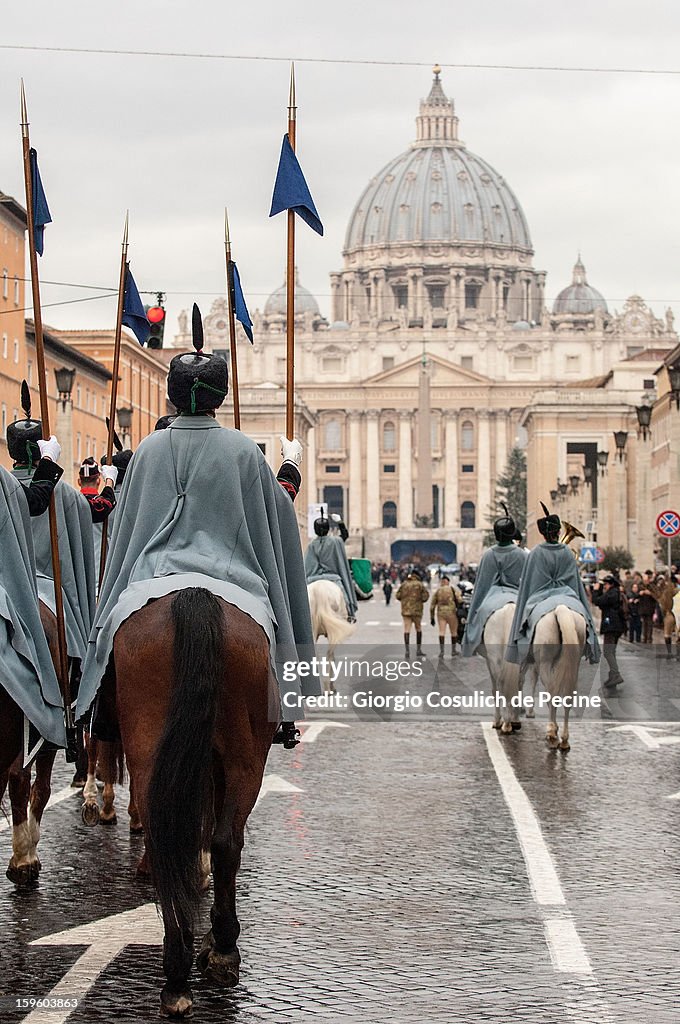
(445, 601)
(413, 594)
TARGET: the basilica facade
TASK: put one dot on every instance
(409, 400)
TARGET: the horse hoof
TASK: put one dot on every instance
(552, 742)
(177, 1004)
(136, 828)
(506, 728)
(143, 870)
(564, 746)
(90, 814)
(531, 713)
(223, 968)
(109, 820)
(516, 726)
(25, 875)
(496, 725)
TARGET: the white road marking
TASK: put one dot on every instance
(541, 870)
(395, 623)
(56, 798)
(644, 734)
(311, 732)
(372, 622)
(566, 949)
(275, 784)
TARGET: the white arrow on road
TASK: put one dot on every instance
(314, 730)
(644, 734)
(106, 937)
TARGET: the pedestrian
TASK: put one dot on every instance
(666, 589)
(607, 597)
(387, 591)
(647, 607)
(412, 594)
(445, 602)
(634, 620)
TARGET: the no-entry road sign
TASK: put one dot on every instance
(668, 523)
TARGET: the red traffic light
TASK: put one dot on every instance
(155, 314)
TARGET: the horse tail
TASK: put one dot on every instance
(328, 612)
(180, 796)
(567, 652)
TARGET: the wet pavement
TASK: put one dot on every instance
(406, 868)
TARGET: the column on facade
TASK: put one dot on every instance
(373, 512)
(355, 449)
(461, 295)
(310, 470)
(405, 509)
(619, 521)
(453, 292)
(379, 293)
(491, 305)
(500, 304)
(483, 469)
(451, 496)
(501, 418)
(525, 303)
(420, 297)
(64, 431)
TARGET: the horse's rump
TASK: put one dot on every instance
(329, 612)
(557, 646)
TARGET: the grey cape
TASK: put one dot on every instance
(496, 584)
(26, 669)
(200, 507)
(76, 556)
(550, 578)
(326, 559)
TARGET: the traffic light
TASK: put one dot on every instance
(156, 317)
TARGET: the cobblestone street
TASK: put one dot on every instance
(410, 870)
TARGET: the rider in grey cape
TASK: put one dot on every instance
(200, 507)
(496, 583)
(550, 578)
(326, 559)
(26, 669)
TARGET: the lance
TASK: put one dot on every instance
(114, 384)
(62, 660)
(290, 278)
(232, 322)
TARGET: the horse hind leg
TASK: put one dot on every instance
(564, 742)
(90, 809)
(551, 736)
(219, 958)
(23, 868)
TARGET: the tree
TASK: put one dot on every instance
(511, 488)
(617, 558)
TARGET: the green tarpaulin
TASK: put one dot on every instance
(361, 571)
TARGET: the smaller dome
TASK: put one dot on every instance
(521, 325)
(304, 300)
(579, 297)
(339, 325)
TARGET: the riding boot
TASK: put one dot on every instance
(419, 648)
(407, 640)
(441, 647)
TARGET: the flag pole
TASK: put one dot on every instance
(232, 323)
(114, 383)
(290, 278)
(62, 661)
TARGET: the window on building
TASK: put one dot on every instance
(523, 363)
(389, 437)
(16, 291)
(4, 419)
(332, 364)
(79, 448)
(87, 445)
(400, 296)
(332, 436)
(437, 294)
(389, 467)
(4, 346)
(332, 469)
(506, 294)
(649, 385)
(467, 362)
(29, 372)
(467, 436)
(387, 362)
(434, 433)
(467, 467)
(333, 497)
(467, 515)
(16, 350)
(389, 514)
(472, 293)
(79, 394)
(5, 283)
(573, 364)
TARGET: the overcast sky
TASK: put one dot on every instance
(593, 158)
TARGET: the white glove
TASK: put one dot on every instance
(335, 517)
(291, 450)
(50, 449)
(110, 474)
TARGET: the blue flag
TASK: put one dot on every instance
(240, 309)
(41, 211)
(291, 191)
(134, 315)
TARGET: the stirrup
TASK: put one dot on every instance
(287, 734)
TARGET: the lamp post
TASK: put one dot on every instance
(125, 422)
(644, 547)
(64, 377)
(619, 526)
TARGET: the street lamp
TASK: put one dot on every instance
(574, 481)
(674, 379)
(124, 422)
(644, 417)
(562, 488)
(553, 496)
(620, 438)
(64, 378)
(602, 459)
(588, 474)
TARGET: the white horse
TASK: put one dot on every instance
(504, 675)
(557, 648)
(329, 616)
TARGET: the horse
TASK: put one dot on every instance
(504, 675)
(556, 650)
(197, 705)
(28, 801)
(329, 616)
(105, 761)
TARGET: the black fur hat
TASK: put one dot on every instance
(197, 383)
(504, 527)
(22, 436)
(549, 525)
(321, 526)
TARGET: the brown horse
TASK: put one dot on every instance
(28, 801)
(197, 705)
